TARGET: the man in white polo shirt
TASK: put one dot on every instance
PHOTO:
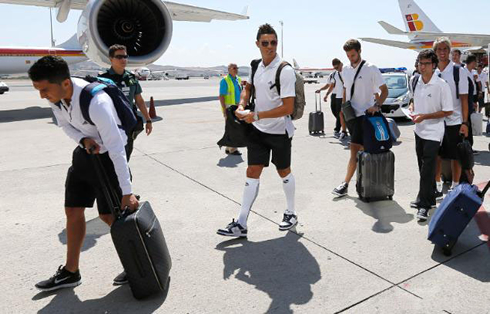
(432, 102)
(367, 83)
(335, 86)
(457, 122)
(272, 130)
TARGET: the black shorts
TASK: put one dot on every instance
(82, 185)
(262, 144)
(355, 130)
(450, 141)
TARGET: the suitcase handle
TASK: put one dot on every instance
(318, 100)
(110, 195)
(484, 191)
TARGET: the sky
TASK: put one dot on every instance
(314, 30)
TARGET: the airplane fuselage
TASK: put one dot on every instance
(15, 60)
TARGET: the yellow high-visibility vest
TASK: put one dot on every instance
(230, 96)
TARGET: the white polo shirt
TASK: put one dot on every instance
(447, 74)
(368, 82)
(336, 79)
(105, 132)
(483, 80)
(429, 98)
(268, 98)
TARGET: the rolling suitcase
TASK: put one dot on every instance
(139, 242)
(453, 215)
(477, 123)
(375, 176)
(316, 122)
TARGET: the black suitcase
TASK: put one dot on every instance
(316, 122)
(139, 242)
(375, 176)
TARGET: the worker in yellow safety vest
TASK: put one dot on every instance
(230, 89)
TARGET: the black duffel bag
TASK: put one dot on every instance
(236, 130)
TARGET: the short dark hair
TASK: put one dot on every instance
(352, 44)
(335, 61)
(428, 54)
(51, 68)
(265, 29)
(457, 51)
(470, 58)
(114, 48)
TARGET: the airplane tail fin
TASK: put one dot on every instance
(245, 11)
(71, 43)
(415, 19)
(295, 64)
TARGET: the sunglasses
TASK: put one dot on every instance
(266, 43)
(119, 57)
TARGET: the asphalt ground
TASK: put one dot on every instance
(345, 256)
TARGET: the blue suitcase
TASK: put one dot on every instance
(454, 214)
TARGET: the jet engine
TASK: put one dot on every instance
(143, 26)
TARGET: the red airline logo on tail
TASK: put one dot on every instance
(413, 22)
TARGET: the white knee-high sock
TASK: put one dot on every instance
(249, 195)
(289, 186)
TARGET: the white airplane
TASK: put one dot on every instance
(15, 60)
(422, 32)
(311, 75)
(144, 27)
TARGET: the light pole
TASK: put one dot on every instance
(282, 38)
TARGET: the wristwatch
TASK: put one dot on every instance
(256, 116)
(466, 123)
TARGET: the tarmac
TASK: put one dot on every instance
(345, 256)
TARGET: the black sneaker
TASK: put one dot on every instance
(422, 214)
(61, 279)
(439, 195)
(120, 279)
(234, 229)
(341, 190)
(343, 136)
(415, 204)
(288, 221)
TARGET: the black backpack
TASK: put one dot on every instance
(121, 102)
(376, 133)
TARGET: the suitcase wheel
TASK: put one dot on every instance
(447, 251)
(390, 197)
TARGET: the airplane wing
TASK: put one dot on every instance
(179, 12)
(75, 4)
(392, 43)
(189, 13)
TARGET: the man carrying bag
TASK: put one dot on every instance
(367, 81)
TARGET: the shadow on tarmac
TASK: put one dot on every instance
(96, 228)
(473, 264)
(181, 101)
(483, 158)
(119, 300)
(30, 113)
(282, 267)
(385, 212)
(230, 161)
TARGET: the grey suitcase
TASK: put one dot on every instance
(139, 242)
(395, 132)
(375, 176)
(316, 120)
